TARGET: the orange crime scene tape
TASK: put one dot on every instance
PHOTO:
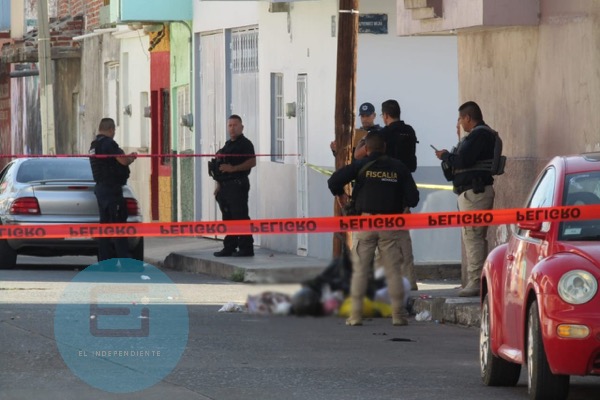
(304, 225)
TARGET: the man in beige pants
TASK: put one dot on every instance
(472, 180)
(384, 185)
(401, 143)
(475, 237)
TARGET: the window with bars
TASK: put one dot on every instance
(244, 51)
(277, 117)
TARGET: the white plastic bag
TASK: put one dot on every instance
(423, 316)
(231, 307)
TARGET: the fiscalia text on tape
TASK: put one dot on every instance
(304, 225)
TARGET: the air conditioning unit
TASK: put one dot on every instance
(279, 7)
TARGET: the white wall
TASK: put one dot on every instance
(134, 134)
(307, 47)
(419, 72)
(302, 44)
(215, 15)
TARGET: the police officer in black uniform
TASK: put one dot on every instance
(233, 186)
(110, 174)
(400, 138)
(384, 185)
(473, 183)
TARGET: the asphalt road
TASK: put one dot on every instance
(244, 356)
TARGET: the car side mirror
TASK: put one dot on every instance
(534, 228)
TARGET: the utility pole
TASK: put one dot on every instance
(46, 80)
(345, 97)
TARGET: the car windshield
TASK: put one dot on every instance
(75, 169)
(581, 189)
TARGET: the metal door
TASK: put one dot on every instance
(244, 97)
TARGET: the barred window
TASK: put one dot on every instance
(277, 117)
(244, 51)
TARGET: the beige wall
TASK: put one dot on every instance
(539, 87)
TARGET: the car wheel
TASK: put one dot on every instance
(8, 256)
(137, 253)
(495, 371)
(541, 382)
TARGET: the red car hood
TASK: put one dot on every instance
(589, 250)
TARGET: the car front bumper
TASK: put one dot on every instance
(571, 356)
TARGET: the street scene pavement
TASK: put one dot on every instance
(238, 355)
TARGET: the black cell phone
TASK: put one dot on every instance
(433, 147)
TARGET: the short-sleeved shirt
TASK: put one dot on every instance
(107, 170)
(242, 145)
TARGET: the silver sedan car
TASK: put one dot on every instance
(37, 191)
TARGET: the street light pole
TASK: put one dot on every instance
(345, 96)
(46, 80)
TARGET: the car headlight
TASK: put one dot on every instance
(577, 287)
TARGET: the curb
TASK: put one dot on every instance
(452, 310)
(279, 268)
(268, 268)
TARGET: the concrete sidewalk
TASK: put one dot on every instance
(438, 283)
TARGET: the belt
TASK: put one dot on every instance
(463, 188)
(108, 184)
(234, 180)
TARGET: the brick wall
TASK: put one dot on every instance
(88, 8)
(61, 35)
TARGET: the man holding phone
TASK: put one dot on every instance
(473, 185)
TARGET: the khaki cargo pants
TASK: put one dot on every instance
(390, 256)
(475, 237)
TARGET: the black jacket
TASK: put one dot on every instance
(476, 146)
(385, 187)
(401, 143)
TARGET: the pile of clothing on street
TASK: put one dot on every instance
(326, 294)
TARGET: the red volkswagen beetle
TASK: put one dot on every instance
(540, 306)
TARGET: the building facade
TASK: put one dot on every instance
(296, 72)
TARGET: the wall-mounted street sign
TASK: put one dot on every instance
(373, 23)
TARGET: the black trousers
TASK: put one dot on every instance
(113, 209)
(233, 202)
